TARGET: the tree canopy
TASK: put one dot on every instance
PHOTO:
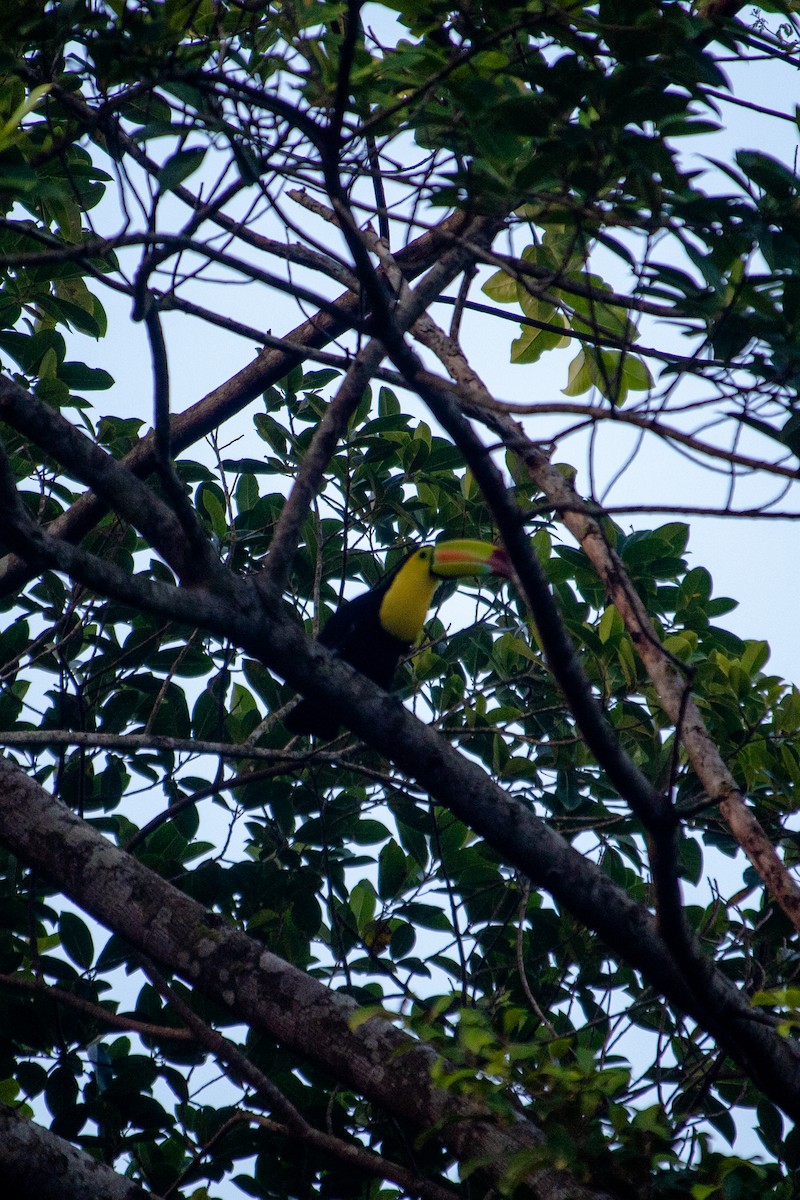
(527, 927)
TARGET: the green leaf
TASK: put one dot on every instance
(9, 133)
(392, 871)
(76, 939)
(691, 859)
(85, 379)
(180, 167)
(768, 173)
(579, 375)
(532, 343)
(501, 288)
(362, 904)
(613, 374)
(214, 506)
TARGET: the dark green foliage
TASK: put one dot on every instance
(567, 121)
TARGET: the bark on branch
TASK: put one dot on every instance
(504, 821)
(580, 519)
(381, 1062)
(38, 1165)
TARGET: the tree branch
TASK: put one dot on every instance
(37, 1165)
(112, 483)
(526, 842)
(230, 398)
(716, 779)
(106, 1016)
(579, 516)
(323, 444)
(295, 1126)
(653, 810)
(384, 1064)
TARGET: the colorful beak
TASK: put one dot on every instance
(453, 560)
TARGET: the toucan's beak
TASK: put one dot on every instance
(453, 560)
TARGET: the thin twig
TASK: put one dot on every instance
(114, 1020)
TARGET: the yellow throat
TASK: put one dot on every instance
(406, 601)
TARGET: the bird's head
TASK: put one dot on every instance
(410, 591)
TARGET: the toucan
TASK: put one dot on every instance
(373, 631)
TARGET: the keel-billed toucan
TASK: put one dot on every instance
(372, 632)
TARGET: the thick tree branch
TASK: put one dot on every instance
(37, 1165)
(653, 809)
(381, 1062)
(650, 806)
(116, 486)
(523, 840)
(579, 516)
(708, 764)
(240, 617)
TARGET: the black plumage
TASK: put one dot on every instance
(355, 633)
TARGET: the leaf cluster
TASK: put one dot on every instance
(566, 120)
